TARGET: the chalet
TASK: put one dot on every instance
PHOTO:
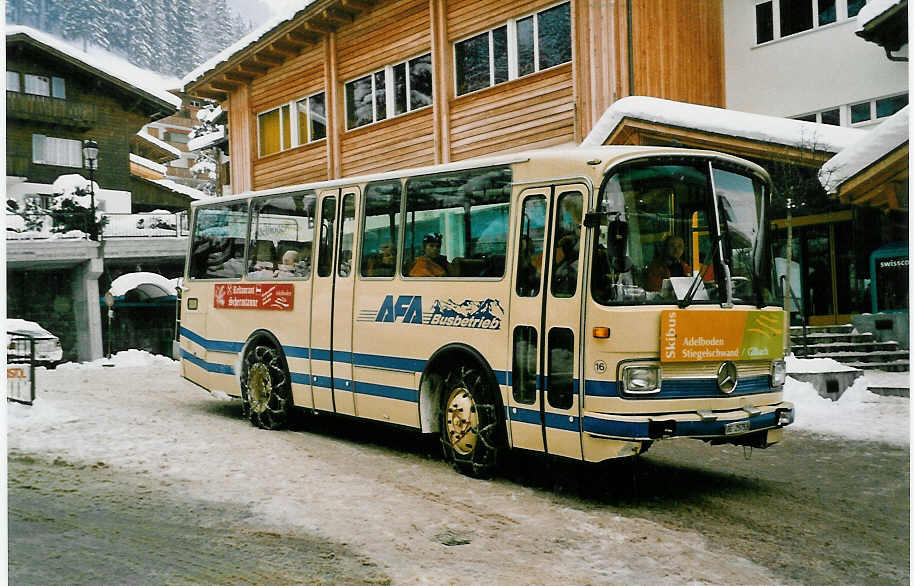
(56, 97)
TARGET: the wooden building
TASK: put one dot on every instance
(57, 97)
(349, 87)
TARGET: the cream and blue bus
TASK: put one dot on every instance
(581, 302)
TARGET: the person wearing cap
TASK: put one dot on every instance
(432, 263)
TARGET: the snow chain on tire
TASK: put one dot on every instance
(266, 395)
(471, 430)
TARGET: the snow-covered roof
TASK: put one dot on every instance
(281, 16)
(874, 9)
(148, 82)
(759, 127)
(159, 143)
(21, 326)
(874, 145)
(210, 114)
(206, 140)
(157, 167)
(150, 284)
(177, 187)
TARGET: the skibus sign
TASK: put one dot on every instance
(692, 336)
(254, 296)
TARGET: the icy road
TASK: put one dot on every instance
(131, 475)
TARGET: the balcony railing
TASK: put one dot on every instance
(150, 225)
(50, 110)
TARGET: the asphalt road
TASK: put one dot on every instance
(810, 510)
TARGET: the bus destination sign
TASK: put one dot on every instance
(271, 296)
(692, 336)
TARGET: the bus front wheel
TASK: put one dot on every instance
(265, 391)
(469, 422)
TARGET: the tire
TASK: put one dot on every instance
(266, 395)
(471, 424)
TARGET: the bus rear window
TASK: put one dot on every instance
(218, 241)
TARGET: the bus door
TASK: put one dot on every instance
(331, 336)
(544, 403)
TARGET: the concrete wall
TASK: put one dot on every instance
(806, 72)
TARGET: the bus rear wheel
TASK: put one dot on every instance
(469, 423)
(265, 391)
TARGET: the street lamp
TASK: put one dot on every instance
(90, 155)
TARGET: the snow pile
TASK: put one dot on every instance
(154, 283)
(179, 188)
(874, 9)
(857, 415)
(126, 358)
(75, 188)
(159, 143)
(771, 129)
(877, 143)
(813, 365)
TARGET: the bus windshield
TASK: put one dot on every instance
(665, 239)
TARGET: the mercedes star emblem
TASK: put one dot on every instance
(726, 377)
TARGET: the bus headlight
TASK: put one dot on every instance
(641, 379)
(778, 373)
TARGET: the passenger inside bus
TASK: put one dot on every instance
(432, 263)
(668, 263)
(381, 263)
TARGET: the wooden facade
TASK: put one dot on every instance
(664, 48)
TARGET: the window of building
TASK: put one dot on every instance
(388, 92)
(520, 47)
(860, 112)
(178, 137)
(775, 19)
(58, 88)
(12, 81)
(831, 116)
(63, 152)
(38, 85)
(292, 124)
(888, 106)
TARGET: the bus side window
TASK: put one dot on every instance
(218, 242)
(523, 372)
(325, 252)
(281, 234)
(566, 245)
(345, 259)
(530, 246)
(381, 228)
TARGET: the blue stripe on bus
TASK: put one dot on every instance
(553, 420)
(296, 351)
(300, 378)
(208, 366)
(639, 429)
(214, 345)
(388, 392)
(393, 362)
(684, 388)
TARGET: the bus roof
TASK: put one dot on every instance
(605, 156)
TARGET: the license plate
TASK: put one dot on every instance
(736, 427)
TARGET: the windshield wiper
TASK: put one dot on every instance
(699, 277)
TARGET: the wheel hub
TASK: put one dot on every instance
(259, 387)
(462, 421)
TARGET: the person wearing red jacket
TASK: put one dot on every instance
(668, 264)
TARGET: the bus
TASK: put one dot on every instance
(580, 302)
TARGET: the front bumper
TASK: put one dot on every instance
(707, 425)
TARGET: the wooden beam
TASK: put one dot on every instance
(268, 59)
(356, 5)
(224, 84)
(283, 49)
(240, 76)
(317, 27)
(334, 17)
(207, 92)
(252, 67)
(300, 40)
